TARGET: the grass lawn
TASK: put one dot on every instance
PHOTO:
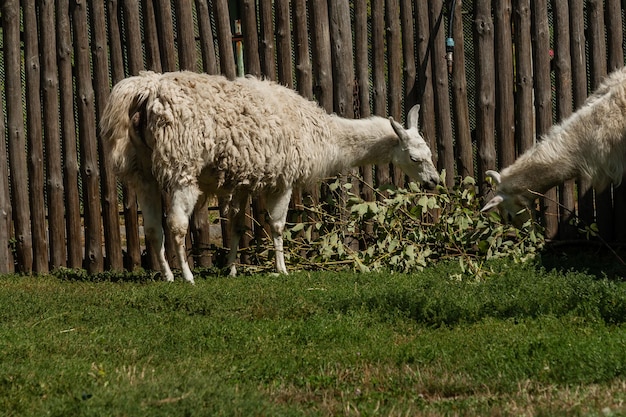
(528, 340)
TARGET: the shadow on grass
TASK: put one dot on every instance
(588, 257)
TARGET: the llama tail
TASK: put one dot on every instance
(120, 125)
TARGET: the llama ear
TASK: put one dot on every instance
(492, 203)
(397, 127)
(494, 175)
(413, 117)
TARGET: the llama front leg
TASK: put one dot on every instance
(236, 223)
(149, 198)
(277, 207)
(183, 202)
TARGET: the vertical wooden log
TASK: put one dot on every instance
(563, 73)
(426, 95)
(445, 141)
(87, 140)
(598, 65)
(304, 79)
(17, 143)
(268, 47)
(341, 54)
(207, 47)
(132, 32)
(54, 170)
(460, 105)
(616, 60)
(322, 66)
(34, 138)
(153, 57)
(108, 184)
(394, 72)
(579, 84)
(505, 109)
(283, 42)
(524, 130)
(382, 172)
(409, 72)
(224, 39)
(251, 38)
(543, 96)
(485, 94)
(361, 60)
(186, 38)
(6, 255)
(165, 34)
(343, 69)
(68, 135)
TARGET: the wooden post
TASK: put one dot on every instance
(87, 139)
(485, 94)
(524, 130)
(460, 105)
(34, 138)
(505, 109)
(17, 143)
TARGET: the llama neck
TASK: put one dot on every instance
(361, 142)
(542, 167)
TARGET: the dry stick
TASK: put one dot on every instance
(571, 212)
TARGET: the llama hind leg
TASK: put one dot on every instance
(183, 202)
(149, 197)
(277, 207)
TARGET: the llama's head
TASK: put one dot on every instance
(413, 155)
(513, 206)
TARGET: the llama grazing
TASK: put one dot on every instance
(591, 143)
(191, 134)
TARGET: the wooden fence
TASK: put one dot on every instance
(518, 66)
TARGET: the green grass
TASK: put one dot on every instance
(525, 341)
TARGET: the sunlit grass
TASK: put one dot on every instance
(524, 342)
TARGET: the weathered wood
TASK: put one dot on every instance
(268, 49)
(6, 255)
(34, 138)
(283, 42)
(379, 83)
(252, 55)
(322, 66)
(165, 34)
(445, 141)
(424, 75)
(87, 140)
(563, 82)
(362, 65)
(224, 39)
(17, 142)
(304, 76)
(186, 39)
(463, 134)
(68, 137)
(615, 35)
(409, 71)
(598, 66)
(207, 47)
(153, 57)
(505, 109)
(394, 72)
(485, 94)
(50, 114)
(132, 32)
(524, 126)
(108, 182)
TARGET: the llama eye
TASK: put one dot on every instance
(414, 159)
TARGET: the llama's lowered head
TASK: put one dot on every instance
(513, 206)
(413, 155)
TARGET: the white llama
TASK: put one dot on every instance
(189, 134)
(590, 143)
